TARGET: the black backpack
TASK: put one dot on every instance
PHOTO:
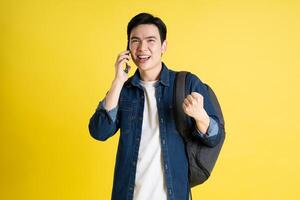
(201, 158)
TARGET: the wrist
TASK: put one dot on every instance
(117, 82)
(202, 122)
(202, 118)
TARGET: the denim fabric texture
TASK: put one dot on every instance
(127, 117)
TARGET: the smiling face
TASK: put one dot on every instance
(146, 47)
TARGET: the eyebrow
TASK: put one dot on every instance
(149, 37)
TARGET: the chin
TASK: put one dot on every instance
(145, 67)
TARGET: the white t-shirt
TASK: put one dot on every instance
(150, 182)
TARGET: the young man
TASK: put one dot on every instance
(151, 163)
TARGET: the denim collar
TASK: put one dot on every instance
(163, 78)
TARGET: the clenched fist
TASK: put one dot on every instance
(193, 107)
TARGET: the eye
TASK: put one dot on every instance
(151, 40)
(133, 41)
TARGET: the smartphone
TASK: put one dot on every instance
(126, 70)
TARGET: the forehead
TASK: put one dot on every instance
(145, 30)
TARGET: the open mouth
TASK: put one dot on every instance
(143, 58)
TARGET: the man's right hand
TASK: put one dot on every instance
(120, 74)
(112, 96)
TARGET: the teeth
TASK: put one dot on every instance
(143, 56)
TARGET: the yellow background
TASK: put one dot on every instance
(57, 62)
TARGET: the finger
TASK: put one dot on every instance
(122, 55)
(197, 96)
(185, 106)
(122, 58)
(186, 102)
(127, 52)
(120, 65)
(191, 99)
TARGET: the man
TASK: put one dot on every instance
(151, 163)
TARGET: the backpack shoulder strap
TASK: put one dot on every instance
(179, 96)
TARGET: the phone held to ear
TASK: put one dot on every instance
(126, 70)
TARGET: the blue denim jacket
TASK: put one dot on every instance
(128, 117)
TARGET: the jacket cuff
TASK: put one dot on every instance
(112, 114)
(212, 130)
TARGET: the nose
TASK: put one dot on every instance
(142, 46)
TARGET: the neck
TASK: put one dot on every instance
(152, 74)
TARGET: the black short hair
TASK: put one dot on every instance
(146, 18)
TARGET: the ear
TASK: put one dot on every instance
(164, 47)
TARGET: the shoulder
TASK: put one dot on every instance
(193, 82)
(193, 78)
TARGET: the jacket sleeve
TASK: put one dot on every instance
(212, 130)
(212, 137)
(104, 124)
